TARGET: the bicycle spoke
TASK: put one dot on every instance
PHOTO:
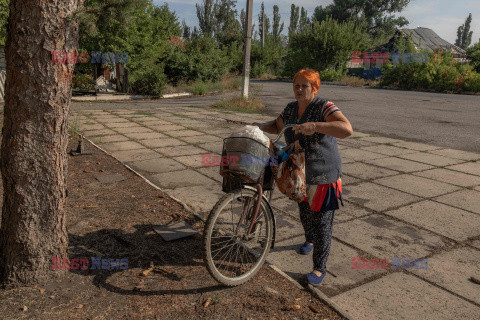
(234, 255)
(225, 247)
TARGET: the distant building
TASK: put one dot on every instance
(424, 39)
(427, 39)
(3, 72)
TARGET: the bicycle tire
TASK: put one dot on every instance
(251, 257)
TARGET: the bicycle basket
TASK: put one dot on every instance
(246, 159)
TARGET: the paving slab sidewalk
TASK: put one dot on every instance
(403, 200)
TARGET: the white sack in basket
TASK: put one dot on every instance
(254, 133)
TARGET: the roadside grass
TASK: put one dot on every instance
(227, 83)
(74, 126)
(241, 104)
(352, 81)
(266, 76)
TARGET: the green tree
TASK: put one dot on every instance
(227, 27)
(150, 35)
(262, 18)
(402, 43)
(3, 20)
(304, 22)
(187, 31)
(473, 54)
(206, 17)
(277, 27)
(378, 15)
(294, 17)
(464, 35)
(325, 45)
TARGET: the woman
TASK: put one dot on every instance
(318, 123)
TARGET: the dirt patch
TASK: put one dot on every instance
(164, 280)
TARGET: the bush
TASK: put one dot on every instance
(199, 88)
(473, 83)
(83, 81)
(201, 59)
(441, 73)
(332, 75)
(473, 54)
(149, 81)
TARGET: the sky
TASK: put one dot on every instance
(442, 16)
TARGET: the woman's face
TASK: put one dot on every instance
(303, 90)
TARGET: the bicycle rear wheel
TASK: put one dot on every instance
(231, 254)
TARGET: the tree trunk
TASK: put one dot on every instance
(34, 138)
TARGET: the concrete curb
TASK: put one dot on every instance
(317, 293)
(177, 95)
(124, 97)
(105, 97)
(322, 297)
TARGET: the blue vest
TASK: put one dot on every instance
(323, 164)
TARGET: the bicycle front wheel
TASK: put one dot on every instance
(234, 250)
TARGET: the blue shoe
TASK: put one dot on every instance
(315, 280)
(306, 248)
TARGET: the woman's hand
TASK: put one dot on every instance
(307, 128)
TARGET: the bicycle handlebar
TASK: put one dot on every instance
(282, 131)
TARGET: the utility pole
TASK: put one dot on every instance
(248, 47)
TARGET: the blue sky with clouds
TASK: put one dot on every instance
(443, 16)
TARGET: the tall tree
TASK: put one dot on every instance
(294, 16)
(277, 28)
(206, 17)
(464, 35)
(379, 16)
(104, 23)
(263, 24)
(325, 45)
(187, 31)
(304, 22)
(227, 27)
(34, 138)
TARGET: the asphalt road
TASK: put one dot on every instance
(447, 120)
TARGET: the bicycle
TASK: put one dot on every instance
(240, 229)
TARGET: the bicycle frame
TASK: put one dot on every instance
(258, 201)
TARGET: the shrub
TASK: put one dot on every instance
(199, 88)
(332, 75)
(149, 81)
(83, 81)
(201, 59)
(473, 54)
(441, 73)
(473, 83)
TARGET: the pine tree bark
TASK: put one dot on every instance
(34, 138)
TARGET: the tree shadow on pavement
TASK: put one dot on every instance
(171, 264)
